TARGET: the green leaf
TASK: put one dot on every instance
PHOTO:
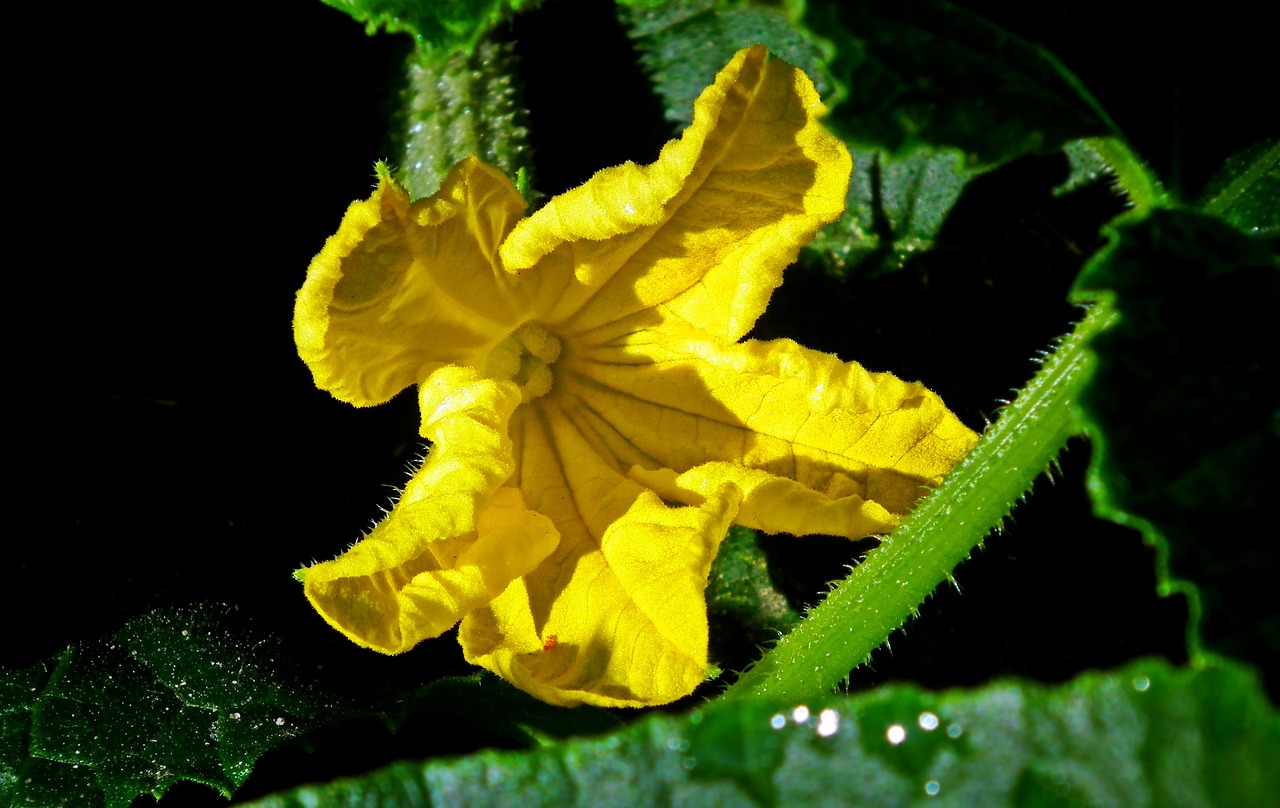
(447, 24)
(894, 209)
(914, 73)
(740, 588)
(1246, 192)
(1145, 735)
(102, 712)
(1183, 412)
(27, 780)
(172, 696)
(683, 44)
(457, 104)
(198, 695)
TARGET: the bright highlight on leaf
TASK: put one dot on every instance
(598, 422)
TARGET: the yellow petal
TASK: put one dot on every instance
(775, 504)
(675, 399)
(455, 539)
(404, 288)
(622, 594)
(630, 627)
(707, 229)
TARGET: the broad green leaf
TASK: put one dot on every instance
(1183, 412)
(684, 43)
(1148, 735)
(446, 24)
(894, 209)
(101, 711)
(198, 695)
(740, 588)
(914, 73)
(172, 696)
(457, 104)
(1246, 192)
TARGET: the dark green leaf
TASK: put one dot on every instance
(46, 783)
(683, 44)
(448, 24)
(915, 73)
(895, 208)
(103, 712)
(1146, 735)
(1184, 414)
(172, 696)
(1246, 192)
(740, 588)
(198, 695)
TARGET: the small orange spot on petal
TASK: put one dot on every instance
(550, 643)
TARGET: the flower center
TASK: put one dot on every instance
(525, 357)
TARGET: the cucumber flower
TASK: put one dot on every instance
(597, 422)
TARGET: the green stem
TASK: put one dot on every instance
(886, 589)
(456, 104)
(1133, 176)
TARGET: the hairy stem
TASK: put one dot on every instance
(1133, 176)
(886, 589)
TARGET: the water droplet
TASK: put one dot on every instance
(828, 723)
(800, 714)
(778, 721)
(896, 734)
(954, 731)
(932, 787)
(927, 721)
(1141, 684)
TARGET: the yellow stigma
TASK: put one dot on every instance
(525, 357)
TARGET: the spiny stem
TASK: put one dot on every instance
(1133, 176)
(886, 589)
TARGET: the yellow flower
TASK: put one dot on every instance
(580, 369)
